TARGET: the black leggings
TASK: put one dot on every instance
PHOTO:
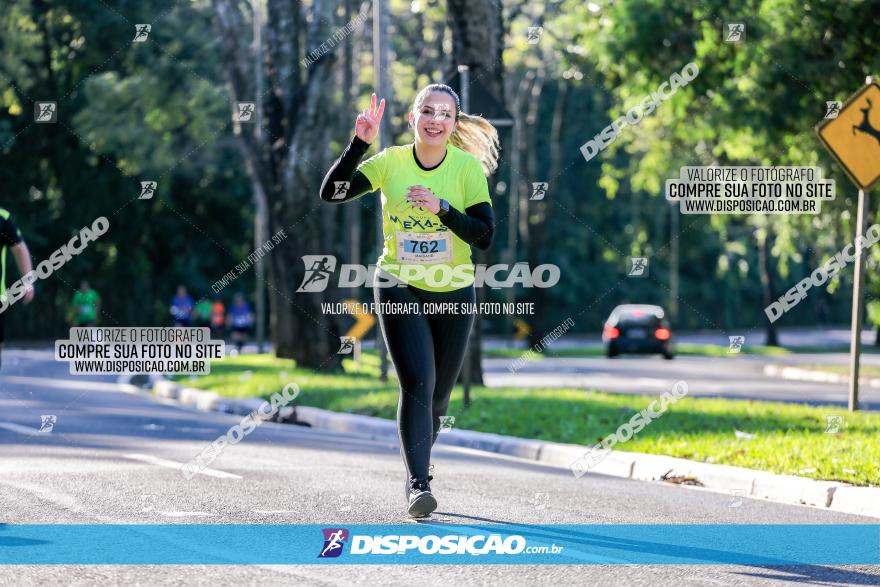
(427, 351)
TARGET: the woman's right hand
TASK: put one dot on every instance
(366, 126)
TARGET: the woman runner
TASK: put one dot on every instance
(435, 206)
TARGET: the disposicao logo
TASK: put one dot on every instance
(320, 268)
(334, 540)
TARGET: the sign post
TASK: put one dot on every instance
(858, 305)
(853, 138)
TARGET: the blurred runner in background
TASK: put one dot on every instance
(218, 318)
(181, 307)
(202, 313)
(85, 305)
(241, 320)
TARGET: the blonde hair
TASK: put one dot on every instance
(472, 133)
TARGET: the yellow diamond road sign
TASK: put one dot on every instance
(854, 136)
(363, 319)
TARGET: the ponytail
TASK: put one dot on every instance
(472, 133)
(477, 136)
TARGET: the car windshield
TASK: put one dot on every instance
(640, 319)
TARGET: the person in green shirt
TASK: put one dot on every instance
(85, 305)
(435, 206)
(202, 313)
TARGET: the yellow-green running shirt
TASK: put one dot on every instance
(414, 236)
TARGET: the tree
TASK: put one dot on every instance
(127, 112)
(754, 103)
(477, 42)
(284, 154)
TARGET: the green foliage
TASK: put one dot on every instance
(127, 112)
(754, 103)
(789, 438)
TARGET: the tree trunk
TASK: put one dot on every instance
(285, 162)
(542, 212)
(530, 130)
(352, 237)
(477, 42)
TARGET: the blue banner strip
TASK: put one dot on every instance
(438, 543)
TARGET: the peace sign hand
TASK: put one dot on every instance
(366, 126)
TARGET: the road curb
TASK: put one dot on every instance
(737, 481)
(166, 389)
(208, 401)
(857, 500)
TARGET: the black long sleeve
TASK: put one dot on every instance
(345, 169)
(475, 227)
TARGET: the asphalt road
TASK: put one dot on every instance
(112, 458)
(830, 337)
(735, 376)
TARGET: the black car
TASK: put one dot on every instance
(638, 328)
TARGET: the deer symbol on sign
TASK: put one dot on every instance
(865, 126)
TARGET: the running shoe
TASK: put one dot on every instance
(421, 500)
(406, 482)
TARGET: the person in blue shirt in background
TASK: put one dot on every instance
(240, 320)
(181, 307)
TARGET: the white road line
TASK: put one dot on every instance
(13, 427)
(98, 386)
(270, 512)
(650, 381)
(48, 494)
(175, 465)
